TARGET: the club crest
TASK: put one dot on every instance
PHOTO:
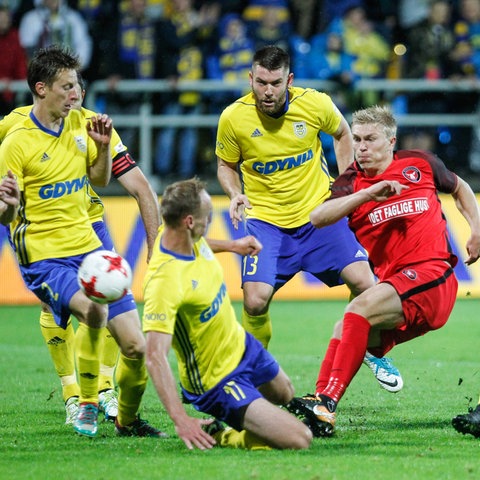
(300, 129)
(409, 273)
(412, 174)
(81, 143)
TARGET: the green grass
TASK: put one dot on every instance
(380, 435)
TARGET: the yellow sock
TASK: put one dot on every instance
(108, 360)
(60, 344)
(259, 326)
(88, 345)
(131, 377)
(234, 439)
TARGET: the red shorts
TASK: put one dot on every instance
(428, 292)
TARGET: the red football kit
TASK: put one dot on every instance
(407, 240)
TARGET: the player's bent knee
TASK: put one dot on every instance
(133, 349)
(303, 440)
(298, 437)
(255, 307)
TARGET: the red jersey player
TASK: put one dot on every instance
(393, 208)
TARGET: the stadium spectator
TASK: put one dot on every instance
(371, 50)
(13, 61)
(412, 12)
(54, 22)
(303, 15)
(129, 53)
(272, 167)
(185, 36)
(271, 29)
(224, 371)
(327, 60)
(332, 10)
(429, 46)
(391, 199)
(230, 60)
(101, 19)
(467, 55)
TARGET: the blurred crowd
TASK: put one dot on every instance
(338, 40)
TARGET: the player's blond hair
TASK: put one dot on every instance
(378, 115)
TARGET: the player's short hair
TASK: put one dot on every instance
(181, 199)
(47, 63)
(80, 80)
(379, 115)
(272, 58)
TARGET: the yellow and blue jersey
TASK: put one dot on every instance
(186, 296)
(96, 209)
(280, 160)
(51, 171)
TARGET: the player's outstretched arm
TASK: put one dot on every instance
(189, 429)
(138, 186)
(247, 245)
(9, 198)
(467, 205)
(333, 210)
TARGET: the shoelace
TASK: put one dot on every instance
(88, 414)
(110, 397)
(385, 363)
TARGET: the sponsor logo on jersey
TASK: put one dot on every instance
(412, 174)
(256, 133)
(412, 206)
(61, 189)
(300, 129)
(267, 168)
(155, 317)
(213, 309)
(45, 157)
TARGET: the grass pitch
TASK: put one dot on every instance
(380, 435)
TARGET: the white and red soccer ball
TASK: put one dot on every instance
(104, 276)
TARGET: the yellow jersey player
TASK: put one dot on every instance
(54, 154)
(60, 341)
(224, 371)
(271, 166)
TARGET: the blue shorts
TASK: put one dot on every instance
(323, 252)
(229, 399)
(54, 282)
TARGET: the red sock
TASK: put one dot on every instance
(349, 356)
(326, 367)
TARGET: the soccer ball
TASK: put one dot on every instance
(104, 276)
